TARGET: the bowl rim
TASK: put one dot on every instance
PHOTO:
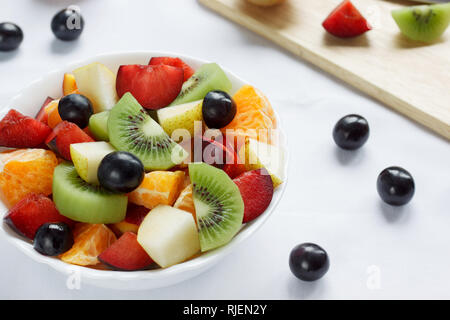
(202, 261)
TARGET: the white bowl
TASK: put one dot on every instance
(28, 102)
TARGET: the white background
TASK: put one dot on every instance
(331, 197)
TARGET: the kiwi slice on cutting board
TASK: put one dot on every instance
(423, 23)
(131, 129)
(218, 205)
(207, 78)
(80, 201)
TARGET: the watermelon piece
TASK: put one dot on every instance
(20, 131)
(174, 62)
(154, 87)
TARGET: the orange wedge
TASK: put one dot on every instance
(254, 115)
(89, 241)
(185, 201)
(25, 171)
(158, 187)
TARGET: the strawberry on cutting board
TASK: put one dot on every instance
(346, 21)
(32, 212)
(174, 62)
(154, 86)
(19, 131)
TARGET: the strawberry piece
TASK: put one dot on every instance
(63, 135)
(126, 254)
(222, 156)
(42, 116)
(19, 131)
(174, 62)
(32, 212)
(346, 21)
(153, 87)
(256, 189)
(136, 214)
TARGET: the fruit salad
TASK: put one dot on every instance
(140, 169)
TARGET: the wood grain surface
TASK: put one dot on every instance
(409, 77)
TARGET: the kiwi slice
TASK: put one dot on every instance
(207, 78)
(131, 129)
(423, 23)
(80, 201)
(98, 125)
(219, 207)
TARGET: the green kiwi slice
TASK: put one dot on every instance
(80, 201)
(423, 23)
(131, 129)
(219, 207)
(207, 78)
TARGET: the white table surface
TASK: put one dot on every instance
(376, 251)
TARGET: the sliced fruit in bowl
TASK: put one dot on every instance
(182, 216)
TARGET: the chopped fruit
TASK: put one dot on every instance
(423, 23)
(126, 254)
(256, 189)
(25, 171)
(131, 129)
(90, 241)
(222, 157)
(69, 84)
(98, 84)
(19, 131)
(346, 21)
(254, 116)
(158, 187)
(87, 156)
(218, 205)
(53, 117)
(63, 135)
(85, 202)
(154, 87)
(258, 155)
(32, 212)
(134, 218)
(75, 108)
(42, 115)
(207, 78)
(185, 201)
(98, 125)
(182, 116)
(174, 62)
(169, 235)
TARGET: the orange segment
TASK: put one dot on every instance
(69, 84)
(158, 187)
(25, 171)
(89, 241)
(254, 115)
(185, 201)
(53, 116)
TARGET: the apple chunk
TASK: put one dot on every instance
(169, 235)
(87, 156)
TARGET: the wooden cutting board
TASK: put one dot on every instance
(407, 76)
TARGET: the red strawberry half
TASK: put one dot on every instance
(346, 21)
(42, 116)
(63, 135)
(256, 189)
(32, 212)
(153, 87)
(174, 62)
(19, 131)
(126, 254)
